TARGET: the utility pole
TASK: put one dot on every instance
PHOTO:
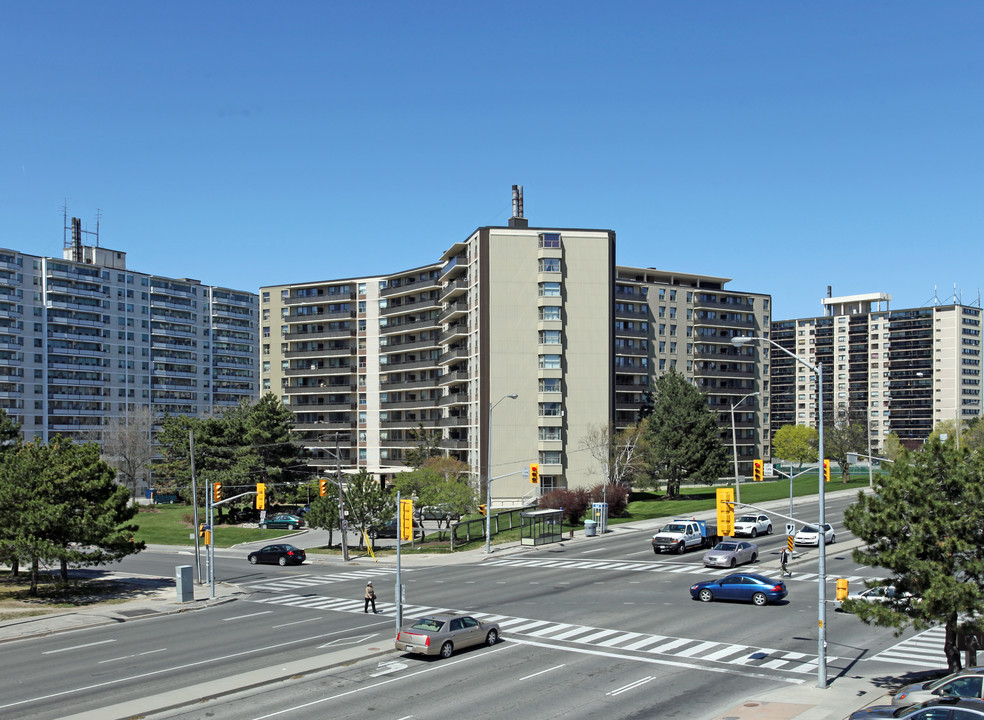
(194, 503)
(342, 522)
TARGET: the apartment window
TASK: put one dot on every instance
(549, 337)
(549, 264)
(266, 296)
(662, 293)
(550, 312)
(550, 433)
(550, 457)
(550, 240)
(549, 385)
(549, 289)
(549, 362)
(662, 329)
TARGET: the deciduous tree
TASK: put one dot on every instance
(847, 434)
(795, 443)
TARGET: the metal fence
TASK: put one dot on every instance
(468, 530)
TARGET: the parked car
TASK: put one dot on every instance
(391, 529)
(729, 553)
(288, 522)
(968, 683)
(279, 554)
(810, 535)
(936, 709)
(753, 525)
(444, 633)
(749, 587)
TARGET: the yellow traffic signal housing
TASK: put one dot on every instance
(216, 492)
(725, 511)
(481, 509)
(826, 470)
(261, 496)
(322, 487)
(201, 530)
(841, 589)
(534, 472)
(406, 519)
(758, 474)
(208, 537)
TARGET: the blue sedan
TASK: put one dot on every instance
(740, 586)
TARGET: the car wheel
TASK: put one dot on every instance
(768, 530)
(282, 561)
(373, 534)
(733, 563)
(290, 526)
(656, 550)
(759, 599)
(492, 638)
(754, 532)
(832, 538)
(754, 557)
(253, 559)
(681, 548)
(446, 649)
(705, 595)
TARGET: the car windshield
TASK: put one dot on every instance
(726, 546)
(674, 528)
(943, 680)
(747, 518)
(809, 529)
(428, 624)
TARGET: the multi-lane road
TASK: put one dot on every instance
(593, 627)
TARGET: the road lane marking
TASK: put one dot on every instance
(77, 647)
(555, 667)
(630, 686)
(242, 617)
(127, 657)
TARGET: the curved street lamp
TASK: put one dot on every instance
(488, 478)
(821, 547)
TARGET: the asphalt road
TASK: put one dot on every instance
(589, 627)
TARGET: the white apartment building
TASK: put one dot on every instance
(905, 370)
(84, 339)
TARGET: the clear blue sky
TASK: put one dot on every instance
(787, 145)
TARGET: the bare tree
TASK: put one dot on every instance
(127, 445)
(617, 452)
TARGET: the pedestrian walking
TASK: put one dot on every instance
(370, 598)
(783, 561)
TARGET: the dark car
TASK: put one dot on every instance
(749, 587)
(279, 554)
(391, 530)
(287, 522)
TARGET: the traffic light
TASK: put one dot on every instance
(201, 530)
(208, 537)
(322, 487)
(757, 471)
(534, 472)
(261, 496)
(406, 519)
(725, 511)
(826, 470)
(841, 589)
(216, 492)
(481, 509)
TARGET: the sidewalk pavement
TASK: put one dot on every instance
(153, 597)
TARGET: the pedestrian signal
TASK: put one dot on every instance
(758, 471)
(826, 470)
(261, 496)
(841, 589)
(725, 511)
(216, 492)
(322, 487)
(534, 472)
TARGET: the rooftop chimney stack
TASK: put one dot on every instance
(517, 220)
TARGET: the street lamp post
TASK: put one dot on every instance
(734, 442)
(821, 546)
(488, 477)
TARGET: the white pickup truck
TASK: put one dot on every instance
(681, 534)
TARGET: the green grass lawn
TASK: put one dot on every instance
(174, 524)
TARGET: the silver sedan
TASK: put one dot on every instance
(730, 553)
(443, 633)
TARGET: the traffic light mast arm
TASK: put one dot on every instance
(234, 497)
(518, 472)
(772, 512)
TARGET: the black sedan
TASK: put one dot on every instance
(741, 586)
(279, 554)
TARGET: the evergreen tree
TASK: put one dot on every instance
(923, 524)
(367, 503)
(324, 512)
(682, 436)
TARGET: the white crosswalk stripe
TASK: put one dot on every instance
(922, 650)
(296, 582)
(703, 650)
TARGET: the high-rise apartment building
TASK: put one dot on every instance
(367, 364)
(905, 370)
(685, 322)
(84, 340)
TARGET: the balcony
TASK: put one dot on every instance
(454, 288)
(454, 354)
(455, 331)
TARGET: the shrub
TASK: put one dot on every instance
(617, 497)
(574, 503)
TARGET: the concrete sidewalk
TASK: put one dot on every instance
(157, 596)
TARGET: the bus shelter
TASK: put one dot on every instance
(539, 527)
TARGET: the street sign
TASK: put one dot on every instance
(769, 469)
(790, 529)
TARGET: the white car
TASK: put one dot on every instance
(881, 594)
(753, 525)
(810, 535)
